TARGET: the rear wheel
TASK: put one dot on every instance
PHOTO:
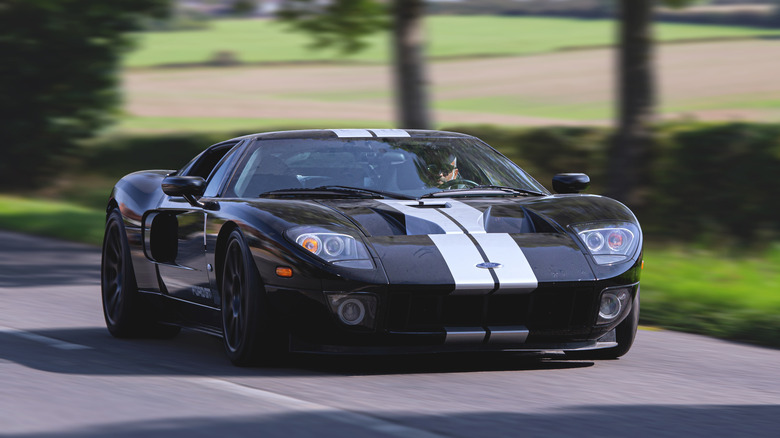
(122, 309)
(246, 327)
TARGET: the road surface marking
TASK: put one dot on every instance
(335, 414)
(51, 342)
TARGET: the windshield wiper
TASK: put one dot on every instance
(334, 190)
(380, 193)
(487, 187)
(510, 189)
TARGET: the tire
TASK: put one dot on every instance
(247, 330)
(122, 307)
(625, 333)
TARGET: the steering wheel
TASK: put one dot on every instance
(458, 184)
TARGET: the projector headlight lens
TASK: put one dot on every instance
(594, 241)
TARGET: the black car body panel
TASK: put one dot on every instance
(444, 273)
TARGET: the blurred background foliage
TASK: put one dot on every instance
(58, 77)
(710, 216)
(712, 184)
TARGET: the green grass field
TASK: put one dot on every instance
(255, 41)
(513, 105)
(696, 291)
(132, 124)
(750, 101)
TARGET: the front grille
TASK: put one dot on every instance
(544, 309)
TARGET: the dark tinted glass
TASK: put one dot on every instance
(409, 166)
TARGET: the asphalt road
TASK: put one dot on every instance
(62, 374)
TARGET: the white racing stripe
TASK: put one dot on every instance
(515, 272)
(366, 133)
(390, 133)
(462, 257)
(426, 214)
(461, 253)
(467, 216)
(51, 342)
(328, 412)
(352, 133)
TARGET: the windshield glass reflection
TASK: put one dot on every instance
(408, 166)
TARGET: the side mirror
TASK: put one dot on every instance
(570, 182)
(189, 187)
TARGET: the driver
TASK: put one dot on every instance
(453, 172)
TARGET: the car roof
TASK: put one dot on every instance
(352, 133)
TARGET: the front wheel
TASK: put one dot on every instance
(246, 325)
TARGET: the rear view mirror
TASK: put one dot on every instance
(183, 185)
(189, 187)
(570, 182)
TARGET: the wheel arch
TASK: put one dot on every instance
(221, 248)
(112, 205)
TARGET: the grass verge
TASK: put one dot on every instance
(54, 219)
(726, 296)
(682, 289)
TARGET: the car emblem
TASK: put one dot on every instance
(489, 265)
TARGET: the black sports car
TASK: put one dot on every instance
(369, 241)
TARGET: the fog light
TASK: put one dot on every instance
(351, 311)
(357, 309)
(610, 306)
(613, 304)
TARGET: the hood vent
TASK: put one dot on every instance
(504, 219)
(429, 205)
(410, 218)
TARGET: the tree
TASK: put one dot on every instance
(58, 77)
(633, 140)
(244, 7)
(412, 107)
(344, 24)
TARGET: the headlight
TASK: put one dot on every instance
(609, 242)
(338, 248)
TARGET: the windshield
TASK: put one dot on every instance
(410, 167)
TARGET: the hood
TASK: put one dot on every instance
(480, 245)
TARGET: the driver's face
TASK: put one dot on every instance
(451, 175)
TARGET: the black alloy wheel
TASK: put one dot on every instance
(246, 326)
(114, 280)
(122, 308)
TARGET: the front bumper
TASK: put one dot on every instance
(300, 346)
(559, 317)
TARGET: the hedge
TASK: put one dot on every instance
(714, 183)
(710, 182)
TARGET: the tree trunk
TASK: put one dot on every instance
(410, 79)
(626, 168)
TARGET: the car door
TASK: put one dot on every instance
(178, 235)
